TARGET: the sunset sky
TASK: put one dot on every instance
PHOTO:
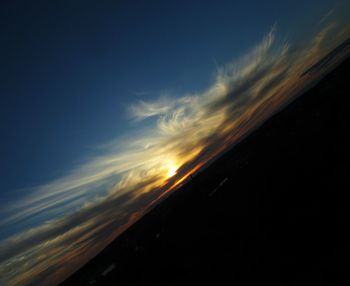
(106, 107)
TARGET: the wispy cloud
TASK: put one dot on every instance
(327, 15)
(72, 218)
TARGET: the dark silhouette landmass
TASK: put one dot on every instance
(273, 210)
(340, 51)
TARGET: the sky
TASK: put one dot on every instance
(107, 106)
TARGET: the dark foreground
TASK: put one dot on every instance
(274, 210)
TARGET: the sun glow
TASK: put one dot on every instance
(172, 170)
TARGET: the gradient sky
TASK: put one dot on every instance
(89, 87)
(69, 69)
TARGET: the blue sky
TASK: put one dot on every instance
(68, 70)
(101, 101)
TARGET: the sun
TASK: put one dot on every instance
(172, 170)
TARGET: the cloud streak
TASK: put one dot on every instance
(72, 218)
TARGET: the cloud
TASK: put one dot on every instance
(144, 109)
(67, 221)
(56, 244)
(327, 15)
